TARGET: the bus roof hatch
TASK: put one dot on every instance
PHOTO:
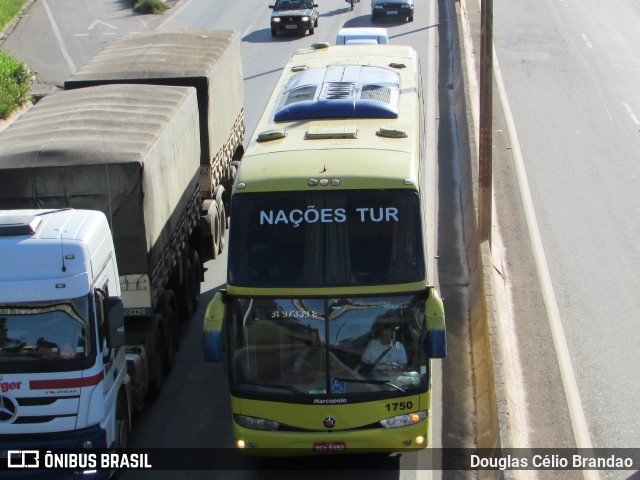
(340, 92)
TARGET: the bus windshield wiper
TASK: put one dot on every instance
(372, 382)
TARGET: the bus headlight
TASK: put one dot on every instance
(404, 420)
(256, 423)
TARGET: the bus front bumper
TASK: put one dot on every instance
(292, 444)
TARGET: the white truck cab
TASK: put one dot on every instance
(63, 381)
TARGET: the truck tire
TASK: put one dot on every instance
(223, 227)
(184, 293)
(157, 367)
(122, 421)
(171, 326)
(197, 278)
(233, 172)
(215, 230)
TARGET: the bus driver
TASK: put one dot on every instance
(383, 352)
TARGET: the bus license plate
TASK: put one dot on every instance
(329, 446)
(291, 27)
(392, 12)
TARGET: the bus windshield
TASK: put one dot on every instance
(44, 335)
(343, 238)
(310, 347)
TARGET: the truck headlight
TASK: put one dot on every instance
(256, 423)
(275, 19)
(404, 420)
(305, 19)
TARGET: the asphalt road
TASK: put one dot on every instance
(58, 36)
(570, 72)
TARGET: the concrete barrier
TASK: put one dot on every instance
(493, 430)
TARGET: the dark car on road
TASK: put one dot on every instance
(392, 9)
(294, 16)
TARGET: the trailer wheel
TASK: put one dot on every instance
(171, 326)
(223, 228)
(122, 421)
(197, 278)
(157, 368)
(215, 230)
(184, 293)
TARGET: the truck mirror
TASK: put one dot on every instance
(212, 329)
(436, 340)
(114, 322)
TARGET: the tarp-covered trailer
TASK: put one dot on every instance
(132, 152)
(210, 61)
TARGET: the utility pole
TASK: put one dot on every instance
(485, 168)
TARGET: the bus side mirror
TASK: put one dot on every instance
(114, 322)
(212, 329)
(436, 341)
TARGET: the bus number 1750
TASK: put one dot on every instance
(392, 407)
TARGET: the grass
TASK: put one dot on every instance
(8, 10)
(15, 83)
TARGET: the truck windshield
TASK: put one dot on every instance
(53, 333)
(310, 347)
(347, 238)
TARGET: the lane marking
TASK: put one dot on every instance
(576, 412)
(633, 116)
(95, 22)
(586, 40)
(56, 32)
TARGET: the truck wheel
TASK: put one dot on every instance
(197, 278)
(215, 230)
(184, 293)
(157, 371)
(274, 32)
(315, 24)
(223, 228)
(311, 31)
(171, 326)
(122, 421)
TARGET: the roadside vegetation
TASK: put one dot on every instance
(15, 82)
(149, 6)
(15, 76)
(8, 10)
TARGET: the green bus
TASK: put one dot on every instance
(329, 322)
